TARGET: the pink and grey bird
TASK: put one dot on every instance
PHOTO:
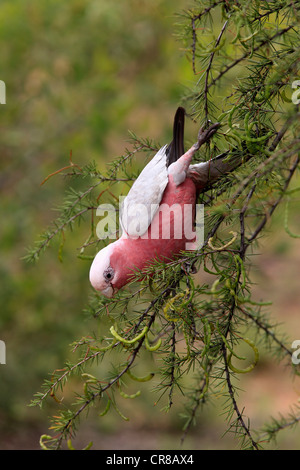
(169, 180)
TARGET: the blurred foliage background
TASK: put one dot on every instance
(79, 75)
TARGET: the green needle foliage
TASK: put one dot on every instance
(245, 58)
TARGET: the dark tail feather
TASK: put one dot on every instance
(176, 148)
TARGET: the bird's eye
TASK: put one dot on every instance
(108, 274)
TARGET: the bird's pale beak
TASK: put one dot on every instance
(109, 291)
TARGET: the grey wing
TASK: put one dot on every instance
(142, 201)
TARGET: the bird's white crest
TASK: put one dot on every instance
(100, 264)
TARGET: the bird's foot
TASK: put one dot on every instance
(205, 134)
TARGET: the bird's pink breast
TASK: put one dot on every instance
(169, 232)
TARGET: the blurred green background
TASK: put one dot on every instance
(79, 75)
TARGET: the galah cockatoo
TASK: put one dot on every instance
(169, 180)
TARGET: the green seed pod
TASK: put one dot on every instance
(145, 378)
(103, 413)
(127, 341)
(154, 347)
(247, 369)
(134, 395)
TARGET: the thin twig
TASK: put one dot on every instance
(208, 70)
(232, 396)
